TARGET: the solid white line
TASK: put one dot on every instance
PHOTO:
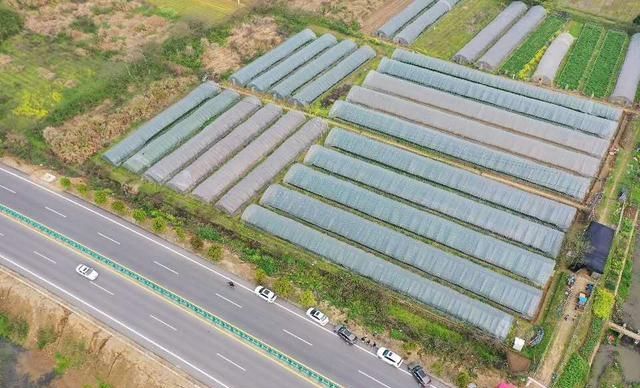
(108, 238)
(103, 289)
(228, 300)
(230, 362)
(55, 212)
(165, 267)
(44, 257)
(163, 322)
(114, 320)
(373, 378)
(295, 336)
(8, 189)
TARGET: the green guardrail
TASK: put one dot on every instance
(175, 298)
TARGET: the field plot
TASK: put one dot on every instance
(210, 11)
(620, 10)
(600, 80)
(575, 67)
(213, 141)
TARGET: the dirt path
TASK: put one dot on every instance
(380, 16)
(563, 333)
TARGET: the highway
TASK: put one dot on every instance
(281, 325)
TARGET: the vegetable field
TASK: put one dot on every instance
(606, 67)
(531, 51)
(579, 57)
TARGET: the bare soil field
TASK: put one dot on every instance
(377, 18)
(618, 10)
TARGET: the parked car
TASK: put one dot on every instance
(389, 357)
(418, 372)
(346, 335)
(87, 272)
(317, 316)
(266, 294)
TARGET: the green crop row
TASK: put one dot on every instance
(599, 82)
(574, 374)
(536, 41)
(579, 57)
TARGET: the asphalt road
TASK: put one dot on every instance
(281, 325)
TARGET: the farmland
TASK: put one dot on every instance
(208, 11)
(605, 69)
(579, 58)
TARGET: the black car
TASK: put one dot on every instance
(346, 335)
(419, 374)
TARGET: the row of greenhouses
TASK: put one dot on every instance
(406, 26)
(304, 67)
(220, 147)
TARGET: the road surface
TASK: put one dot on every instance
(281, 325)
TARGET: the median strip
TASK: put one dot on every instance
(174, 298)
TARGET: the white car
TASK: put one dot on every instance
(317, 316)
(87, 272)
(266, 294)
(389, 357)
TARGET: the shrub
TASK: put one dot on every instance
(574, 373)
(119, 207)
(139, 215)
(307, 299)
(261, 276)
(82, 189)
(283, 287)
(100, 197)
(209, 234)
(463, 379)
(159, 225)
(10, 23)
(65, 183)
(603, 303)
(180, 233)
(196, 243)
(14, 330)
(593, 338)
(215, 252)
(46, 336)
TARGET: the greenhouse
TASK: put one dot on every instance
(132, 143)
(393, 25)
(529, 265)
(218, 183)
(181, 131)
(515, 166)
(534, 149)
(629, 77)
(240, 194)
(411, 31)
(491, 33)
(186, 153)
(552, 59)
(215, 156)
(463, 273)
(442, 201)
(432, 294)
(522, 88)
(477, 110)
(456, 179)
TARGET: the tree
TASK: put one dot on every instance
(307, 299)
(283, 287)
(119, 207)
(100, 197)
(261, 276)
(139, 215)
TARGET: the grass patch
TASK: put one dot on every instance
(208, 11)
(604, 73)
(10, 23)
(45, 337)
(72, 355)
(458, 27)
(579, 57)
(529, 54)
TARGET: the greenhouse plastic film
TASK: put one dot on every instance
(552, 59)
(145, 132)
(507, 100)
(455, 147)
(183, 155)
(285, 49)
(265, 172)
(215, 156)
(215, 185)
(580, 104)
(337, 73)
(460, 180)
(479, 132)
(629, 77)
(179, 132)
(512, 121)
(393, 25)
(492, 59)
(498, 288)
(411, 31)
(309, 71)
(432, 294)
(492, 32)
(534, 267)
(446, 203)
(289, 65)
